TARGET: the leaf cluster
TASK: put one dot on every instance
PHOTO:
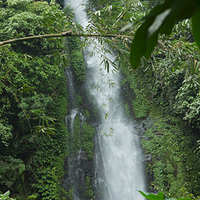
(161, 20)
(5, 196)
(160, 196)
(76, 58)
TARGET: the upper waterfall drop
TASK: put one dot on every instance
(119, 155)
(78, 7)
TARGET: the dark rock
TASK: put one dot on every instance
(147, 157)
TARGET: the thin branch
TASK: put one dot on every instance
(63, 34)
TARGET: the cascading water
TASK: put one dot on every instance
(118, 140)
(118, 157)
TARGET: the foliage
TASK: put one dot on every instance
(75, 141)
(76, 58)
(116, 17)
(127, 111)
(33, 137)
(82, 137)
(174, 165)
(87, 138)
(5, 134)
(169, 87)
(69, 194)
(47, 183)
(31, 90)
(139, 104)
(170, 79)
(14, 166)
(89, 192)
(174, 81)
(161, 20)
(172, 71)
(159, 196)
(172, 144)
(5, 196)
(188, 99)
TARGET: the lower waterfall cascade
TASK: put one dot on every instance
(118, 159)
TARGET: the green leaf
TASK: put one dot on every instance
(32, 197)
(158, 22)
(107, 115)
(6, 194)
(146, 39)
(161, 20)
(107, 65)
(196, 27)
(138, 46)
(159, 196)
(151, 43)
(21, 168)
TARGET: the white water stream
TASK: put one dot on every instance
(120, 153)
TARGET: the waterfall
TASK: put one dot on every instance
(118, 157)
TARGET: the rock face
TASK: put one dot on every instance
(78, 167)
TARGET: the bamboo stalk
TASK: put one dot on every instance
(63, 34)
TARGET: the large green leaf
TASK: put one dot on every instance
(21, 168)
(161, 20)
(151, 43)
(6, 194)
(159, 196)
(143, 42)
(138, 46)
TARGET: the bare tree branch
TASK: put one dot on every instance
(63, 34)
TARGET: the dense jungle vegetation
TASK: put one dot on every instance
(33, 97)
(33, 137)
